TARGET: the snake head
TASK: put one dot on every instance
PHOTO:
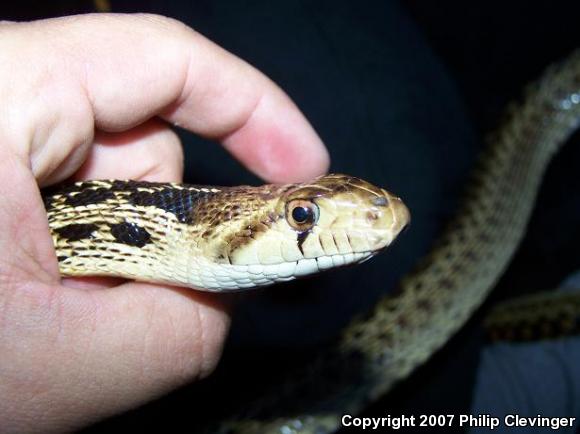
(332, 221)
(348, 219)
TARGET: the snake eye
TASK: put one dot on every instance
(301, 214)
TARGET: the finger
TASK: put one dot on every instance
(165, 335)
(85, 355)
(91, 282)
(26, 248)
(199, 317)
(162, 66)
(150, 152)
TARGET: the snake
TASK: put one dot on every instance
(240, 237)
(220, 238)
(548, 315)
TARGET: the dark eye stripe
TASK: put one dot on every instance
(300, 238)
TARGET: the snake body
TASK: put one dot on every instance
(541, 316)
(379, 349)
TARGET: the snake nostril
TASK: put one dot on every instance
(380, 201)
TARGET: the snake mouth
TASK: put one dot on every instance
(307, 266)
(233, 277)
(342, 259)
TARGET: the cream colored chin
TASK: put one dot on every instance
(210, 276)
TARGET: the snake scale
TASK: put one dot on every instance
(404, 328)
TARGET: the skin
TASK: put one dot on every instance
(91, 97)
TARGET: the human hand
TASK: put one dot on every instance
(88, 97)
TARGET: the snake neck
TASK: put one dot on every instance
(124, 229)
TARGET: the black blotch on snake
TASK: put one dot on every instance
(179, 202)
(89, 196)
(130, 234)
(77, 231)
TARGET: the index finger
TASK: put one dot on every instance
(138, 66)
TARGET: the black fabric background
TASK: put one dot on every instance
(402, 93)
